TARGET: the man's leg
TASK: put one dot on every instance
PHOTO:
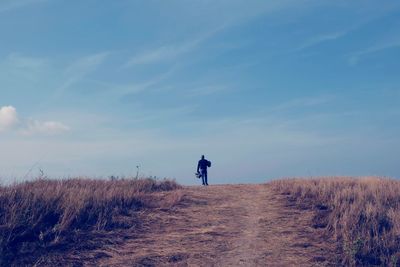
(205, 176)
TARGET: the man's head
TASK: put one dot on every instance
(202, 156)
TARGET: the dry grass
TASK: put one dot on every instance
(39, 216)
(362, 215)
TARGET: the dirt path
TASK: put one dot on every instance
(229, 225)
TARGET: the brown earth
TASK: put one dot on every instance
(220, 225)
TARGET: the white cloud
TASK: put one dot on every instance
(9, 121)
(46, 127)
(8, 118)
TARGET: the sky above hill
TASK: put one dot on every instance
(265, 89)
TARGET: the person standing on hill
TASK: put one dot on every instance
(202, 166)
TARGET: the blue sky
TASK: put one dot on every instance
(265, 89)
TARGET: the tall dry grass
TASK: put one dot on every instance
(362, 215)
(44, 214)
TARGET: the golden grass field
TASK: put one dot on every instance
(145, 222)
(45, 219)
(362, 215)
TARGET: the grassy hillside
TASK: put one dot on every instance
(363, 215)
(45, 216)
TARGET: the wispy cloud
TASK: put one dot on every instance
(356, 57)
(134, 88)
(19, 61)
(207, 90)
(170, 51)
(7, 5)
(82, 67)
(316, 40)
(46, 127)
(370, 16)
(234, 13)
(164, 114)
(117, 91)
(161, 53)
(25, 68)
(303, 102)
(79, 70)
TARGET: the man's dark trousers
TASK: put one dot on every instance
(204, 176)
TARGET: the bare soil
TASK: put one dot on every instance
(220, 225)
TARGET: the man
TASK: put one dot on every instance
(202, 166)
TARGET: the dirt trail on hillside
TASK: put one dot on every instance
(224, 225)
